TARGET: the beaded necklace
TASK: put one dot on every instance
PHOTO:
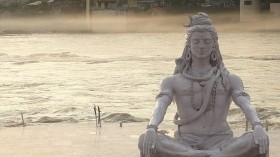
(202, 80)
(212, 101)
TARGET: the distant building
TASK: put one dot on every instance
(249, 10)
(275, 8)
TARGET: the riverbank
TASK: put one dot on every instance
(86, 140)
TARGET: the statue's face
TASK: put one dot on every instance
(201, 45)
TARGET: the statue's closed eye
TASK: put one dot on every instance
(207, 41)
(195, 41)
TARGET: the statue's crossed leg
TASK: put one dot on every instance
(166, 146)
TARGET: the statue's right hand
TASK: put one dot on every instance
(149, 144)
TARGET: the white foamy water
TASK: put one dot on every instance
(60, 77)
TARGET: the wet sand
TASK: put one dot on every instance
(85, 140)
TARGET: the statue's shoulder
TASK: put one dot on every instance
(170, 80)
(235, 81)
(234, 78)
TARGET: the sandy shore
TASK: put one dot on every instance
(85, 140)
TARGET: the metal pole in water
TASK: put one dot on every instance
(99, 120)
(95, 115)
(246, 129)
(23, 124)
(266, 125)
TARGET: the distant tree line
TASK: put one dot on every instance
(197, 3)
(45, 7)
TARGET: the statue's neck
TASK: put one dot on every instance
(201, 65)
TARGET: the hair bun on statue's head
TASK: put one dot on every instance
(199, 19)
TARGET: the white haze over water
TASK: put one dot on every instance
(59, 77)
(119, 22)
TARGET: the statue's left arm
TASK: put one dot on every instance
(242, 99)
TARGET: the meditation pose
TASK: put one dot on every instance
(202, 89)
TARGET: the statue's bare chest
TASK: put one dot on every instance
(192, 93)
(185, 87)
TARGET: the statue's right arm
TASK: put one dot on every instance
(163, 100)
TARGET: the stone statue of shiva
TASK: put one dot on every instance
(202, 89)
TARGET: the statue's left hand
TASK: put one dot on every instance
(149, 144)
(261, 139)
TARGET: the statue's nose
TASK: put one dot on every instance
(201, 48)
(201, 45)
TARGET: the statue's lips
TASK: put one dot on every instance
(201, 52)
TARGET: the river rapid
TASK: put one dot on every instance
(54, 78)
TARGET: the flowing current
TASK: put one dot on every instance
(60, 77)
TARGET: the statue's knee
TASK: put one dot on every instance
(248, 136)
(141, 140)
(249, 140)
